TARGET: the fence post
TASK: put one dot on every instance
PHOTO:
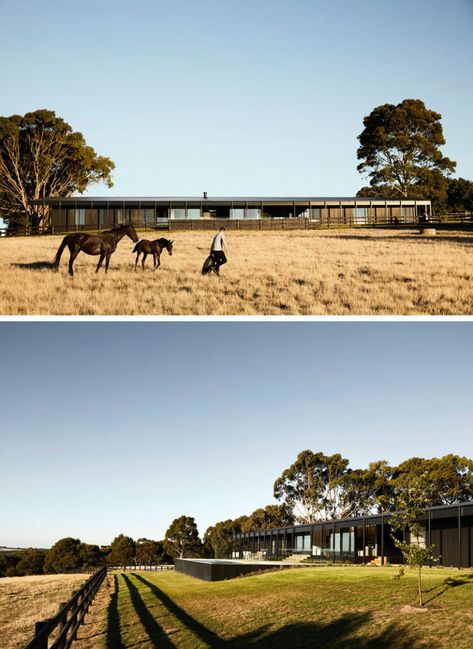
(38, 627)
(62, 624)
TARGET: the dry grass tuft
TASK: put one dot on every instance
(336, 272)
(26, 600)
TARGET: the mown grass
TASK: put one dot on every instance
(26, 600)
(327, 272)
(308, 607)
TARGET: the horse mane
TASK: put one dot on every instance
(115, 228)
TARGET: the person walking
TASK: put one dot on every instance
(218, 250)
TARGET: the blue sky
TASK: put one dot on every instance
(260, 97)
(121, 427)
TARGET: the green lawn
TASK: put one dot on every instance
(315, 607)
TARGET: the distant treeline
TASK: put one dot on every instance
(70, 555)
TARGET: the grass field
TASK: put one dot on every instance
(354, 608)
(329, 272)
(26, 600)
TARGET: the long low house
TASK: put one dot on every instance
(65, 214)
(363, 540)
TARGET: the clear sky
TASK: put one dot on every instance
(121, 427)
(237, 97)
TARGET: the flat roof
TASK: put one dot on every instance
(219, 199)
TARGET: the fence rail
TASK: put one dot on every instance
(69, 617)
(159, 567)
(449, 220)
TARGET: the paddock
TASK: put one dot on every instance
(302, 272)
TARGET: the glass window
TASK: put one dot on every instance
(101, 216)
(251, 213)
(178, 213)
(148, 215)
(302, 542)
(80, 216)
(193, 212)
(122, 216)
(316, 213)
(360, 214)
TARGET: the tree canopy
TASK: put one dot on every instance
(182, 538)
(219, 538)
(41, 156)
(317, 487)
(122, 551)
(400, 152)
(310, 487)
(460, 195)
(64, 556)
(268, 517)
(446, 480)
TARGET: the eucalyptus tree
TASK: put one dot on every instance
(182, 538)
(400, 152)
(41, 156)
(311, 487)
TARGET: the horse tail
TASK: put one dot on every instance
(137, 248)
(57, 258)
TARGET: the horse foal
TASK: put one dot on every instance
(154, 248)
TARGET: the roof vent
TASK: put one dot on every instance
(205, 194)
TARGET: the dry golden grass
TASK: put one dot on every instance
(26, 600)
(336, 272)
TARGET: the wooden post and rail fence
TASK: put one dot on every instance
(64, 625)
(70, 616)
(462, 220)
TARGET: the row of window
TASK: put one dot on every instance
(358, 215)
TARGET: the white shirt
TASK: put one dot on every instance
(218, 243)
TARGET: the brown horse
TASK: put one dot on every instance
(154, 248)
(103, 244)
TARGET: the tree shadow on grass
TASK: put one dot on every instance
(36, 265)
(448, 583)
(113, 639)
(409, 237)
(333, 635)
(156, 633)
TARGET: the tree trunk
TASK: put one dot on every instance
(419, 583)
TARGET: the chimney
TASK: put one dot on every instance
(205, 195)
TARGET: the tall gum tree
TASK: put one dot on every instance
(400, 152)
(40, 157)
(311, 486)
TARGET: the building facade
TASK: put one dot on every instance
(66, 214)
(365, 539)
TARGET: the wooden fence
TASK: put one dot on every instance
(160, 567)
(69, 617)
(463, 220)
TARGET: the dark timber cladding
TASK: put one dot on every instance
(364, 539)
(71, 213)
(209, 570)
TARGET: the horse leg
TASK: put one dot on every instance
(74, 252)
(102, 257)
(137, 259)
(154, 260)
(145, 254)
(159, 262)
(107, 262)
